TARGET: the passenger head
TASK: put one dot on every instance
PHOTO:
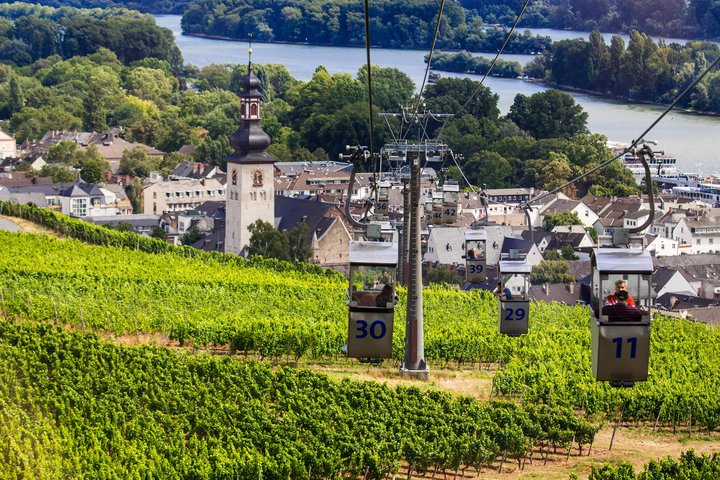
(621, 285)
(622, 296)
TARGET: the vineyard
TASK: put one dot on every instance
(75, 406)
(64, 408)
(253, 309)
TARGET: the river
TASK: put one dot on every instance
(693, 139)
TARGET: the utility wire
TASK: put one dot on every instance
(487, 73)
(638, 139)
(429, 60)
(494, 61)
(370, 97)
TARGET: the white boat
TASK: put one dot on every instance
(661, 164)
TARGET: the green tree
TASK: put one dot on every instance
(298, 240)
(213, 151)
(551, 271)
(134, 193)
(159, 233)
(552, 220)
(58, 173)
(65, 153)
(442, 275)
(568, 253)
(548, 114)
(150, 84)
(266, 241)
(92, 165)
(123, 227)
(137, 162)
(391, 87)
(16, 96)
(191, 236)
(488, 168)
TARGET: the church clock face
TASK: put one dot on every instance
(257, 177)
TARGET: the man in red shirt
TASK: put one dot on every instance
(620, 286)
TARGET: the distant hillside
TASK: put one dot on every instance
(147, 6)
(675, 18)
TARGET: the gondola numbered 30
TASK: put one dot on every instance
(371, 299)
(620, 325)
(475, 256)
(513, 299)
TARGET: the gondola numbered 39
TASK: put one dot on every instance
(513, 299)
(621, 335)
(371, 299)
(475, 256)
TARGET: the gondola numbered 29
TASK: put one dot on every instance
(371, 299)
(475, 256)
(514, 303)
(621, 336)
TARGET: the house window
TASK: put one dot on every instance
(154, 194)
(78, 207)
(234, 177)
(697, 242)
(710, 241)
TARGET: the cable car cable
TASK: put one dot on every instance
(641, 137)
(369, 87)
(429, 60)
(492, 64)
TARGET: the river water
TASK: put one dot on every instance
(693, 139)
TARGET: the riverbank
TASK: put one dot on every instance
(332, 45)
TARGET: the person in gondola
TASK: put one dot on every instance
(620, 286)
(387, 295)
(622, 311)
(504, 293)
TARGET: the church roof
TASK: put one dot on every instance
(250, 141)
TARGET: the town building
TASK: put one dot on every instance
(8, 146)
(181, 194)
(110, 144)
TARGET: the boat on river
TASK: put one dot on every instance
(661, 163)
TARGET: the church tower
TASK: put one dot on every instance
(250, 170)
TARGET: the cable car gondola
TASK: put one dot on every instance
(513, 298)
(621, 340)
(451, 198)
(371, 299)
(382, 207)
(475, 258)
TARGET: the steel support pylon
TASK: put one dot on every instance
(414, 364)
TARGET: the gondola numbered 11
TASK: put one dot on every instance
(371, 299)
(621, 337)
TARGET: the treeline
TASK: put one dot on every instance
(464, 62)
(148, 6)
(676, 18)
(393, 24)
(29, 33)
(641, 71)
